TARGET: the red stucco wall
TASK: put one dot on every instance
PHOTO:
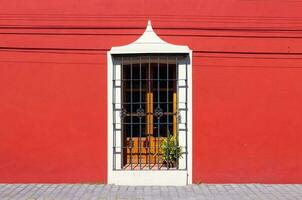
(246, 85)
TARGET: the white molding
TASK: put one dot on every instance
(149, 42)
(152, 44)
(109, 118)
(150, 178)
(190, 121)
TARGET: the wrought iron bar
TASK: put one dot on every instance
(149, 114)
(122, 107)
(167, 106)
(140, 117)
(186, 113)
(177, 109)
(131, 108)
(158, 117)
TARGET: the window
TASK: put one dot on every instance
(149, 99)
(149, 106)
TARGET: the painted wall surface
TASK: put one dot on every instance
(247, 80)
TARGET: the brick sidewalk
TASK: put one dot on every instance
(204, 191)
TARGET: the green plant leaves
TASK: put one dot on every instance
(170, 150)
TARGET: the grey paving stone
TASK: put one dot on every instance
(196, 192)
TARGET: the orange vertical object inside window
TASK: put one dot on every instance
(150, 113)
(174, 113)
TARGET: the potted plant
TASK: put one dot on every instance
(170, 151)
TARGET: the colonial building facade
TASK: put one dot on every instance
(150, 93)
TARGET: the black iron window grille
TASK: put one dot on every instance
(149, 109)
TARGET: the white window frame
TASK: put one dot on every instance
(149, 43)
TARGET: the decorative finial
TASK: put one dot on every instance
(149, 26)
